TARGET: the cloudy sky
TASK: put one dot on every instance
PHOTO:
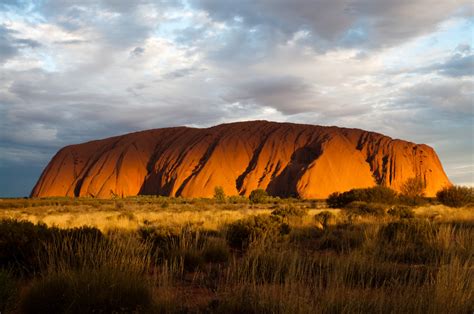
(72, 71)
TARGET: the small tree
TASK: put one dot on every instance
(219, 194)
(413, 188)
(412, 191)
(258, 196)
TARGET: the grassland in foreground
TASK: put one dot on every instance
(165, 255)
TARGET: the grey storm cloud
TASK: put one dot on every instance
(458, 65)
(123, 25)
(289, 95)
(448, 96)
(10, 44)
(359, 23)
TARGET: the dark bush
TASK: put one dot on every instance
(192, 258)
(337, 200)
(456, 196)
(98, 291)
(162, 238)
(401, 211)
(8, 290)
(290, 214)
(377, 194)
(258, 196)
(242, 232)
(22, 243)
(342, 238)
(174, 243)
(216, 251)
(365, 209)
(413, 201)
(408, 241)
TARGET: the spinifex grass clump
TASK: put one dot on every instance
(20, 242)
(86, 274)
(290, 214)
(23, 244)
(409, 241)
(242, 233)
(8, 290)
(89, 291)
(401, 211)
(188, 246)
(341, 238)
(325, 218)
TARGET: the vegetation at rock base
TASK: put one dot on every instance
(219, 194)
(258, 196)
(377, 194)
(456, 196)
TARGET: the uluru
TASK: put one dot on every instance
(285, 159)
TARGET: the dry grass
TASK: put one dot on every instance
(352, 265)
(130, 214)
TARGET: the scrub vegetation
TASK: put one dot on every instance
(369, 251)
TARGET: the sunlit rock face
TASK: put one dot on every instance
(285, 159)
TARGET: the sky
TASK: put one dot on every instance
(73, 71)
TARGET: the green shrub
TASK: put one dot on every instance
(377, 194)
(258, 196)
(8, 290)
(456, 196)
(365, 209)
(408, 241)
(401, 211)
(98, 291)
(244, 231)
(325, 218)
